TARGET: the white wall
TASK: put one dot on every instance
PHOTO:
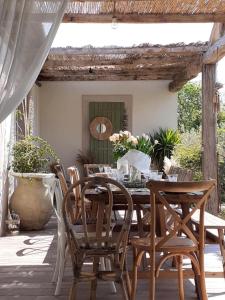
(60, 110)
(35, 98)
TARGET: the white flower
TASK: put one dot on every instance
(127, 133)
(133, 140)
(115, 137)
(156, 142)
(145, 136)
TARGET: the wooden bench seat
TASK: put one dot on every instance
(215, 229)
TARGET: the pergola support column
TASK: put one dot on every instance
(209, 136)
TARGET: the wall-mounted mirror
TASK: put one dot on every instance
(101, 128)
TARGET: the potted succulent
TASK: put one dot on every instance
(31, 199)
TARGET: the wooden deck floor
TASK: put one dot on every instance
(27, 261)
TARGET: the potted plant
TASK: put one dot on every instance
(31, 199)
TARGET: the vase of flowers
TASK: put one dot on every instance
(125, 141)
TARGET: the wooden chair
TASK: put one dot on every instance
(60, 174)
(74, 176)
(183, 175)
(61, 252)
(178, 241)
(98, 240)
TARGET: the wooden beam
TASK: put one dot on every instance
(129, 61)
(215, 52)
(176, 50)
(216, 33)
(209, 141)
(144, 17)
(181, 78)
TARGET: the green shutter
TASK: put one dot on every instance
(114, 111)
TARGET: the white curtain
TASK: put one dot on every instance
(27, 30)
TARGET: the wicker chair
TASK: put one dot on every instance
(97, 239)
(178, 241)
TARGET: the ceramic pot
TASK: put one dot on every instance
(31, 200)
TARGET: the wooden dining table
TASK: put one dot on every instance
(141, 199)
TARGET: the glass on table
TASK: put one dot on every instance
(153, 174)
(172, 177)
(159, 175)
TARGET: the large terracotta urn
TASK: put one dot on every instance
(31, 199)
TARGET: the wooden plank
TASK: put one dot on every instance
(209, 141)
(145, 18)
(211, 221)
(171, 49)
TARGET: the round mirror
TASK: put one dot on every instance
(101, 128)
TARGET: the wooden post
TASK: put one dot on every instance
(209, 139)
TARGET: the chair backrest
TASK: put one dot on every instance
(74, 176)
(94, 168)
(58, 205)
(97, 234)
(191, 194)
(183, 174)
(58, 170)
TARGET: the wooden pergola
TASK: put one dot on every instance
(177, 63)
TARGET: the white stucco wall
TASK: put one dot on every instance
(36, 122)
(60, 110)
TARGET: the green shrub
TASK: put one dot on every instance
(164, 141)
(188, 153)
(32, 155)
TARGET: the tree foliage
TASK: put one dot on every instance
(189, 107)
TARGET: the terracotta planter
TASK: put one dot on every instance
(31, 200)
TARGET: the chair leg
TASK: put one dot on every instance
(123, 288)
(202, 277)
(56, 269)
(136, 263)
(94, 282)
(73, 291)
(62, 263)
(180, 276)
(107, 266)
(152, 278)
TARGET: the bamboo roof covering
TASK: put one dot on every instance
(175, 62)
(132, 11)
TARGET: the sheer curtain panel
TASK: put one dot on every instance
(27, 30)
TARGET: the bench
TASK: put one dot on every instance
(215, 229)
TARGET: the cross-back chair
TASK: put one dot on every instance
(179, 240)
(98, 240)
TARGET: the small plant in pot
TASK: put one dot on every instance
(31, 199)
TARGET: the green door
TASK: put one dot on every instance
(114, 111)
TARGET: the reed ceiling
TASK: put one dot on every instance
(132, 11)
